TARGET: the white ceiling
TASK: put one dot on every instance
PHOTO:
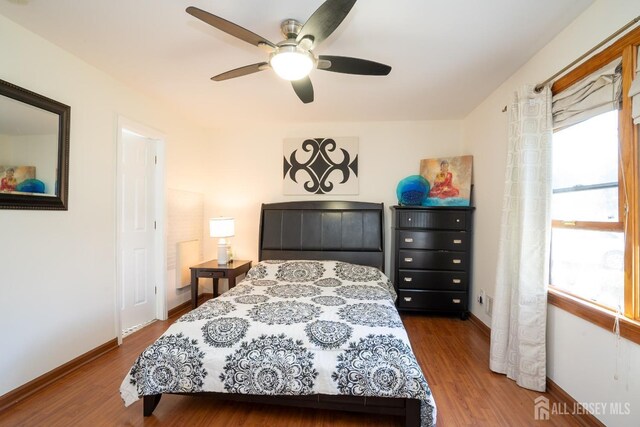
(447, 56)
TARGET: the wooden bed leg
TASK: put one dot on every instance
(412, 416)
(150, 403)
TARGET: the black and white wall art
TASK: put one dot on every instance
(320, 166)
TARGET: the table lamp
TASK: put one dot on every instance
(222, 228)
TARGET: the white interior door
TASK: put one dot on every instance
(137, 229)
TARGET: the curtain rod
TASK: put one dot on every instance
(631, 23)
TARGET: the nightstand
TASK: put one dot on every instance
(215, 271)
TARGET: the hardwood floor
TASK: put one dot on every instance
(454, 355)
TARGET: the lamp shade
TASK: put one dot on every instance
(221, 227)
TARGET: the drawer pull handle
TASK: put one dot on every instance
(458, 220)
(455, 300)
(457, 261)
(409, 219)
(408, 240)
(456, 281)
(407, 299)
(408, 279)
(408, 260)
(457, 241)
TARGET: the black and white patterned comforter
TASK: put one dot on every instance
(291, 327)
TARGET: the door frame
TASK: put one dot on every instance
(159, 207)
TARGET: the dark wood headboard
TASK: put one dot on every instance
(323, 230)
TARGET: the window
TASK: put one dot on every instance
(587, 252)
(595, 234)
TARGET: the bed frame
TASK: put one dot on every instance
(322, 230)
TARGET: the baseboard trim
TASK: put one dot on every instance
(585, 419)
(14, 396)
(178, 308)
(486, 331)
(186, 306)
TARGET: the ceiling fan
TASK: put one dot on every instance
(293, 58)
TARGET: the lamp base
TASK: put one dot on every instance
(223, 254)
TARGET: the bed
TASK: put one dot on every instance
(314, 320)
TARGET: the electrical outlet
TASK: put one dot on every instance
(488, 308)
(480, 298)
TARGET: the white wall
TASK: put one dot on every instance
(185, 210)
(61, 265)
(246, 168)
(57, 281)
(581, 356)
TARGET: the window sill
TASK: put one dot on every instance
(604, 318)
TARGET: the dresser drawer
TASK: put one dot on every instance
(433, 260)
(449, 220)
(433, 300)
(448, 240)
(432, 280)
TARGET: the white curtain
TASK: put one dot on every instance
(634, 94)
(518, 328)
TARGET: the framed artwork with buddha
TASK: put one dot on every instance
(449, 180)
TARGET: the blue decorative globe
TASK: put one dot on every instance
(412, 190)
(31, 186)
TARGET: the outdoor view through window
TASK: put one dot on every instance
(587, 240)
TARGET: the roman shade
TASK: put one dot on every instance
(634, 94)
(596, 94)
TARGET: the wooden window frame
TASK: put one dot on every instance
(626, 48)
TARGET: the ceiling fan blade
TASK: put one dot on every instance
(348, 65)
(324, 21)
(229, 27)
(242, 71)
(304, 89)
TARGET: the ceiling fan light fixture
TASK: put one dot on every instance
(293, 58)
(291, 62)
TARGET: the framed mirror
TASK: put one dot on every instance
(34, 150)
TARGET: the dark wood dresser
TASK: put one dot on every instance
(431, 258)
